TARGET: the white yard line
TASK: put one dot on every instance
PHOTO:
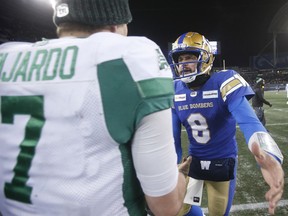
(274, 124)
(277, 124)
(250, 206)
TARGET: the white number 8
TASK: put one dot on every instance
(200, 129)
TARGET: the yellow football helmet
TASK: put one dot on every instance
(191, 43)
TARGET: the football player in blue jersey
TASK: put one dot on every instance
(209, 105)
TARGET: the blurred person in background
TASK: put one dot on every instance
(258, 100)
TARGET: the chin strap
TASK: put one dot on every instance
(266, 143)
(199, 81)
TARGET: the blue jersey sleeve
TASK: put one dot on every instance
(233, 86)
(177, 135)
(245, 117)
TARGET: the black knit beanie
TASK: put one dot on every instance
(92, 12)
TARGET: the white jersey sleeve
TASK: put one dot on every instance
(157, 177)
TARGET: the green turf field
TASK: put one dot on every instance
(251, 187)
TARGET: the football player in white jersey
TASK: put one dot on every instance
(85, 120)
(209, 105)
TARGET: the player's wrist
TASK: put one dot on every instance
(185, 165)
(184, 172)
(267, 144)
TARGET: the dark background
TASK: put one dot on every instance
(240, 26)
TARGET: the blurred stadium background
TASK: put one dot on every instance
(30, 20)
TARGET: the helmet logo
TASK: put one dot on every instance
(182, 45)
(62, 10)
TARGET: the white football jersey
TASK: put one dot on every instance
(69, 108)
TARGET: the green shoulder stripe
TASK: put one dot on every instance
(126, 102)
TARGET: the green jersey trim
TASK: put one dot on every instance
(133, 195)
(126, 102)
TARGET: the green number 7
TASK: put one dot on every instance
(23, 105)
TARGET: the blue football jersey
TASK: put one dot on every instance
(204, 113)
